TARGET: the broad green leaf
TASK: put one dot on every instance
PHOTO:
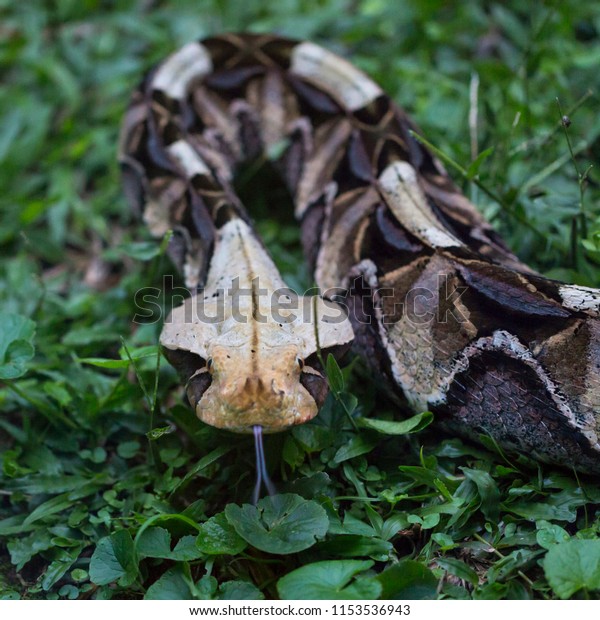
(375, 519)
(353, 525)
(359, 444)
(459, 569)
(279, 524)
(393, 525)
(401, 427)
(334, 580)
(239, 591)
(186, 549)
(14, 525)
(550, 534)
(79, 575)
(206, 588)
(572, 566)
(49, 507)
(17, 355)
(218, 537)
(154, 542)
(488, 492)
(14, 327)
(312, 486)
(352, 546)
(311, 437)
(427, 521)
(560, 506)
(444, 541)
(408, 580)
(334, 375)
(291, 453)
(62, 561)
(171, 586)
(16, 348)
(128, 449)
(69, 592)
(23, 549)
(114, 559)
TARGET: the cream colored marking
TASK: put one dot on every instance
(334, 75)
(214, 159)
(367, 269)
(158, 209)
(254, 338)
(194, 260)
(580, 298)
(273, 112)
(187, 158)
(156, 217)
(174, 75)
(400, 187)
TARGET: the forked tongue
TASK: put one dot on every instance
(261, 467)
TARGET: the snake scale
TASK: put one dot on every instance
(412, 276)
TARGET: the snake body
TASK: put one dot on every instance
(436, 303)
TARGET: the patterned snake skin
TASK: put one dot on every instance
(438, 306)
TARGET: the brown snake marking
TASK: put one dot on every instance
(484, 342)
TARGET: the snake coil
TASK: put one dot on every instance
(436, 303)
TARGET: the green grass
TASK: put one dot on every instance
(110, 487)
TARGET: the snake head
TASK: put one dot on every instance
(245, 374)
(247, 345)
(262, 389)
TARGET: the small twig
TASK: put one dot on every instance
(581, 181)
(539, 141)
(473, 114)
(315, 309)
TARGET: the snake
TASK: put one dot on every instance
(410, 275)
